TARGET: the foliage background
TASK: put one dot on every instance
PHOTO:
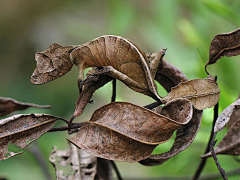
(184, 27)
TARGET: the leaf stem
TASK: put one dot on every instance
(63, 119)
(203, 161)
(206, 70)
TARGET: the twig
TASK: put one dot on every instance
(113, 99)
(116, 170)
(203, 161)
(65, 128)
(221, 170)
(70, 124)
(153, 105)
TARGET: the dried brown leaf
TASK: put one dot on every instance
(125, 132)
(22, 130)
(73, 163)
(225, 115)
(185, 134)
(8, 105)
(226, 44)
(122, 59)
(52, 63)
(203, 93)
(230, 144)
(184, 137)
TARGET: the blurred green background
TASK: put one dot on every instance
(184, 27)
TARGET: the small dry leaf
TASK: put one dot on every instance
(8, 105)
(203, 93)
(22, 130)
(230, 144)
(225, 115)
(73, 163)
(226, 44)
(89, 86)
(51, 63)
(125, 132)
(122, 59)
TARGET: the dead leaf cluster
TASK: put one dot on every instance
(123, 131)
(120, 130)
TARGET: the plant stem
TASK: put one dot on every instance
(116, 170)
(221, 170)
(114, 85)
(203, 161)
(65, 128)
(113, 99)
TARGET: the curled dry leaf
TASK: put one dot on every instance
(52, 63)
(203, 93)
(125, 132)
(73, 163)
(185, 134)
(230, 144)
(184, 137)
(22, 130)
(89, 86)
(226, 44)
(225, 115)
(8, 105)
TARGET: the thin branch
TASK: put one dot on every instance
(70, 124)
(221, 170)
(113, 99)
(116, 170)
(63, 119)
(114, 85)
(65, 128)
(203, 161)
